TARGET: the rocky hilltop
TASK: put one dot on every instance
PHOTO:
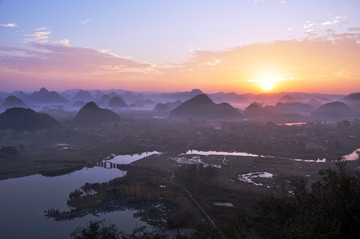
(334, 109)
(93, 114)
(202, 107)
(46, 97)
(26, 119)
(11, 102)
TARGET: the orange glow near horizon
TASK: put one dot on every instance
(310, 66)
(268, 84)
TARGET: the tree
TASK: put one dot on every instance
(96, 230)
(330, 210)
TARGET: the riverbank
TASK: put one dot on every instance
(59, 155)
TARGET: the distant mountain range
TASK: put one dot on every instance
(270, 105)
(130, 97)
(46, 97)
(202, 107)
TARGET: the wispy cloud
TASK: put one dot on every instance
(311, 32)
(41, 35)
(9, 25)
(63, 64)
(64, 42)
(308, 24)
(340, 17)
(311, 28)
(84, 22)
(327, 23)
(335, 21)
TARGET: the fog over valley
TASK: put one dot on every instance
(165, 160)
(148, 119)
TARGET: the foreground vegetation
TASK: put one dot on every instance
(331, 209)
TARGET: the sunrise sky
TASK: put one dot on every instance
(161, 45)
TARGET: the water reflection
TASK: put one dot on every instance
(127, 159)
(207, 153)
(352, 156)
(24, 200)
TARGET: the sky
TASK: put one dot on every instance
(237, 46)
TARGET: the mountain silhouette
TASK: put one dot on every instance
(107, 97)
(162, 108)
(174, 104)
(286, 99)
(202, 107)
(26, 119)
(117, 102)
(352, 97)
(46, 97)
(186, 95)
(83, 95)
(20, 94)
(142, 103)
(221, 96)
(93, 114)
(292, 107)
(314, 103)
(257, 110)
(78, 104)
(11, 102)
(334, 109)
(132, 97)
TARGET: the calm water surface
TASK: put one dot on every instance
(24, 200)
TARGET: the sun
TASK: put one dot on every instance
(268, 84)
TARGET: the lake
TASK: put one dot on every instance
(24, 200)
